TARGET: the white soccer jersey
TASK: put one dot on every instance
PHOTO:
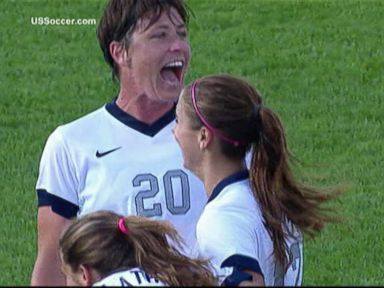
(231, 233)
(108, 160)
(131, 277)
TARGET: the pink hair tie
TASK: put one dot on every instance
(122, 227)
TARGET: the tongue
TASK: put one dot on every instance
(168, 75)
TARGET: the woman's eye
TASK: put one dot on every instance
(160, 35)
(183, 34)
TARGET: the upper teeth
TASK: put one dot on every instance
(176, 63)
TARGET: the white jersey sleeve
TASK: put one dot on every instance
(228, 244)
(57, 180)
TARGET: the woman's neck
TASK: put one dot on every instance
(218, 169)
(143, 108)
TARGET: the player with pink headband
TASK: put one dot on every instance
(106, 249)
(251, 228)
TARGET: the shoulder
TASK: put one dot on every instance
(226, 224)
(232, 216)
(88, 121)
(235, 203)
(90, 128)
(73, 131)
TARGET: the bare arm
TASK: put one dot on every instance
(257, 280)
(47, 266)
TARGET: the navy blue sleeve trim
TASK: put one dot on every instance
(240, 263)
(58, 205)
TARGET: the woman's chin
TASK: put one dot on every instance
(188, 167)
(185, 166)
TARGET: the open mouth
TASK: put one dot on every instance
(172, 72)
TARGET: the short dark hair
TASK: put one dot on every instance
(120, 18)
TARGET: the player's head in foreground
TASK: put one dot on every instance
(219, 119)
(145, 43)
(99, 243)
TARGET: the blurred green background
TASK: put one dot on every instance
(318, 64)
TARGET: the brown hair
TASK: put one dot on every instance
(96, 241)
(234, 108)
(121, 17)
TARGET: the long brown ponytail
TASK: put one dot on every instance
(280, 195)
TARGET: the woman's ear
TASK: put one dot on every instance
(87, 277)
(118, 53)
(205, 137)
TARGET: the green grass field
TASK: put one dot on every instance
(319, 64)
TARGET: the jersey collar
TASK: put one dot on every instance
(149, 130)
(238, 176)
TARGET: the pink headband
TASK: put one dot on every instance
(122, 227)
(205, 122)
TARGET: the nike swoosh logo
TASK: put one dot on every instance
(102, 154)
